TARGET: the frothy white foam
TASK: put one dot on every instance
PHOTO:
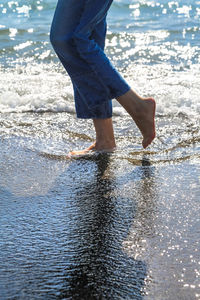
(38, 89)
(174, 91)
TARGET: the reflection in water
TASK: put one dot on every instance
(72, 236)
(143, 226)
(97, 267)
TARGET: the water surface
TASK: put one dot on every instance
(119, 226)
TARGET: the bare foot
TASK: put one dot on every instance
(105, 140)
(142, 111)
(145, 120)
(81, 152)
(93, 148)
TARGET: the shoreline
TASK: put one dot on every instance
(101, 227)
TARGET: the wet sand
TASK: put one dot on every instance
(111, 226)
(122, 226)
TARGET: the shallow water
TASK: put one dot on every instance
(119, 226)
(99, 227)
(155, 45)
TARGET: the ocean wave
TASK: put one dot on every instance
(40, 88)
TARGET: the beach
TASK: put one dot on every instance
(121, 225)
(109, 226)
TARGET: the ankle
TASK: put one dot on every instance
(105, 144)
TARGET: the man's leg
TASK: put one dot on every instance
(105, 139)
(96, 79)
(68, 19)
(142, 110)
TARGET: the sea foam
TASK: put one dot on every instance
(38, 89)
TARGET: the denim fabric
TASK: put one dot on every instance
(78, 36)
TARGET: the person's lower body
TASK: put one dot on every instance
(78, 36)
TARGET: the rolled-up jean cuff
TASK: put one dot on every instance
(99, 111)
(78, 37)
(97, 94)
(122, 92)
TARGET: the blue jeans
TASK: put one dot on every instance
(78, 36)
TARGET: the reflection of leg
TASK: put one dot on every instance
(142, 110)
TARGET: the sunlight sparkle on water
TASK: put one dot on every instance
(13, 32)
(24, 10)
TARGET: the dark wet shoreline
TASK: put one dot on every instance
(97, 228)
